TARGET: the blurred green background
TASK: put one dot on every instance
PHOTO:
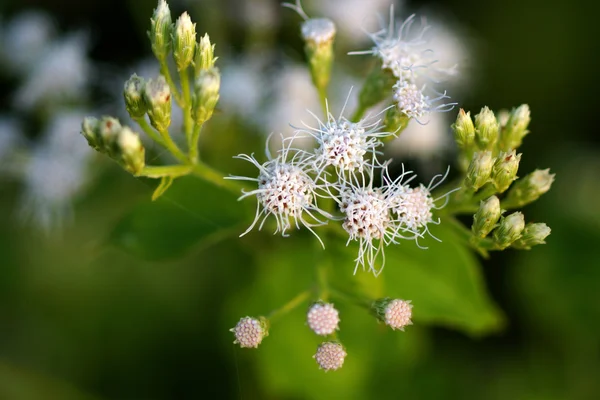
(82, 318)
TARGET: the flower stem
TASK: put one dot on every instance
(164, 70)
(173, 171)
(186, 106)
(194, 143)
(322, 267)
(323, 100)
(351, 298)
(170, 145)
(289, 306)
(216, 178)
(149, 130)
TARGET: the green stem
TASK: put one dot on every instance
(323, 100)
(164, 70)
(289, 306)
(321, 271)
(350, 298)
(465, 234)
(173, 171)
(153, 134)
(186, 106)
(216, 178)
(194, 143)
(172, 147)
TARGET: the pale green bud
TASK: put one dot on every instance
(486, 217)
(130, 151)
(206, 95)
(479, 170)
(184, 41)
(89, 130)
(532, 235)
(509, 230)
(108, 131)
(318, 35)
(529, 188)
(505, 170)
(486, 132)
(134, 98)
(157, 96)
(161, 28)
(376, 88)
(464, 130)
(516, 128)
(205, 55)
(395, 121)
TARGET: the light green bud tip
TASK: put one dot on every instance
(205, 55)
(89, 130)
(505, 170)
(509, 230)
(395, 121)
(530, 188)
(516, 128)
(486, 218)
(157, 96)
(133, 95)
(532, 235)
(318, 35)
(184, 41)
(206, 95)
(131, 151)
(161, 27)
(464, 130)
(486, 129)
(108, 130)
(479, 170)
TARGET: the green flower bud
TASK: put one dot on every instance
(134, 99)
(486, 218)
(395, 121)
(157, 96)
(516, 128)
(161, 27)
(108, 130)
(505, 170)
(376, 88)
(530, 188)
(206, 95)
(89, 130)
(464, 130)
(205, 55)
(318, 35)
(486, 133)
(130, 151)
(479, 170)
(509, 230)
(184, 41)
(532, 235)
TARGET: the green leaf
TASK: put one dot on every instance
(165, 183)
(192, 211)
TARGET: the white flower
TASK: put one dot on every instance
(249, 332)
(413, 102)
(330, 356)
(398, 314)
(322, 318)
(241, 85)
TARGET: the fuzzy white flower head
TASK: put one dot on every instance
(284, 191)
(249, 332)
(323, 319)
(330, 356)
(318, 30)
(398, 314)
(413, 102)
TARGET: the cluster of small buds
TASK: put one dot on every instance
(322, 318)
(330, 356)
(250, 332)
(395, 313)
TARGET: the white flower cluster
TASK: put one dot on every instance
(302, 186)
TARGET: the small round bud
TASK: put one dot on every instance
(206, 95)
(133, 95)
(131, 151)
(479, 170)
(516, 128)
(323, 318)
(532, 235)
(249, 332)
(108, 131)
(161, 27)
(318, 35)
(509, 230)
(486, 133)
(486, 217)
(157, 96)
(464, 130)
(330, 356)
(205, 55)
(530, 188)
(395, 313)
(89, 130)
(318, 31)
(505, 170)
(184, 41)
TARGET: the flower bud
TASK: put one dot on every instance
(528, 189)
(318, 35)
(133, 95)
(330, 356)
(395, 313)
(322, 318)
(486, 132)
(131, 151)
(108, 131)
(205, 55)
(184, 41)
(161, 27)
(395, 121)
(376, 88)
(505, 169)
(486, 217)
(509, 230)
(157, 96)
(532, 235)
(516, 128)
(464, 130)
(479, 170)
(249, 332)
(206, 95)
(89, 130)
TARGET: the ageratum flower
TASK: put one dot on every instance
(415, 103)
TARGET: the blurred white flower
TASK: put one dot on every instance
(423, 141)
(60, 74)
(10, 138)
(242, 84)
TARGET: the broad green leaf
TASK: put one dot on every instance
(192, 210)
